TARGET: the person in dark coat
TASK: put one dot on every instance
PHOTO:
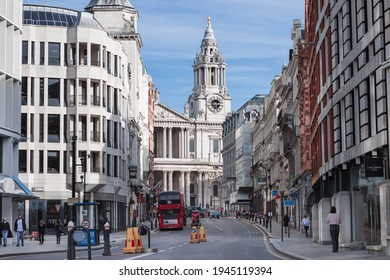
(5, 231)
(20, 228)
(41, 231)
(286, 223)
(59, 230)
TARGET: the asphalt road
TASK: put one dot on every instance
(227, 239)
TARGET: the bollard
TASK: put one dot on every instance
(106, 234)
(71, 250)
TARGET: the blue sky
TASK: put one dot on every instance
(254, 37)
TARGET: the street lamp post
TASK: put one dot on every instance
(73, 139)
(133, 173)
(84, 166)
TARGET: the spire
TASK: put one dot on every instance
(209, 33)
(109, 3)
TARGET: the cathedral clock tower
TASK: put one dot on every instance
(209, 100)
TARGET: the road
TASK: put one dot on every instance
(227, 239)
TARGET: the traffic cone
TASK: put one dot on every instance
(130, 245)
(139, 244)
(202, 234)
(194, 235)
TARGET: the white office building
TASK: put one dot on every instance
(80, 78)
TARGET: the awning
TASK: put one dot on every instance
(14, 187)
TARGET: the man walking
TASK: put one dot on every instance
(19, 228)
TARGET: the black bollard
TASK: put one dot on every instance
(71, 249)
(106, 236)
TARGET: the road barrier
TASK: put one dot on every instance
(138, 240)
(202, 234)
(194, 235)
(130, 243)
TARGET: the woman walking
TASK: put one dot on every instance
(334, 221)
(41, 231)
(5, 229)
(58, 228)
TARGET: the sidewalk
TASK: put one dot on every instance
(32, 246)
(298, 246)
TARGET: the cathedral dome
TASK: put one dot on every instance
(108, 3)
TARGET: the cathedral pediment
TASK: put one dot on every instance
(163, 112)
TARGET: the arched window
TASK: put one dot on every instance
(215, 190)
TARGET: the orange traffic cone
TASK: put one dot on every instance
(202, 234)
(139, 244)
(130, 245)
(194, 235)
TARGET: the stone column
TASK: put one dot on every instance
(200, 184)
(206, 188)
(170, 142)
(182, 183)
(187, 188)
(323, 227)
(170, 175)
(165, 181)
(164, 142)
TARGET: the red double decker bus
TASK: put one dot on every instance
(171, 210)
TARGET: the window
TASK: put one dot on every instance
(23, 128)
(32, 128)
(65, 165)
(24, 90)
(42, 53)
(41, 128)
(31, 161)
(22, 161)
(53, 161)
(32, 91)
(53, 92)
(41, 92)
(65, 129)
(32, 53)
(215, 146)
(41, 161)
(66, 60)
(53, 128)
(83, 98)
(54, 53)
(66, 93)
(109, 62)
(192, 145)
(215, 190)
(25, 52)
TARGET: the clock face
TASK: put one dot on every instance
(215, 104)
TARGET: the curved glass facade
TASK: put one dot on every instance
(48, 16)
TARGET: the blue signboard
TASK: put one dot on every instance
(289, 203)
(275, 192)
(92, 233)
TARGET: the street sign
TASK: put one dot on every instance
(288, 203)
(72, 200)
(275, 192)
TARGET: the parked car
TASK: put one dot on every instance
(215, 214)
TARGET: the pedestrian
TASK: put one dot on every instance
(334, 221)
(286, 223)
(5, 231)
(306, 223)
(19, 228)
(59, 230)
(41, 231)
